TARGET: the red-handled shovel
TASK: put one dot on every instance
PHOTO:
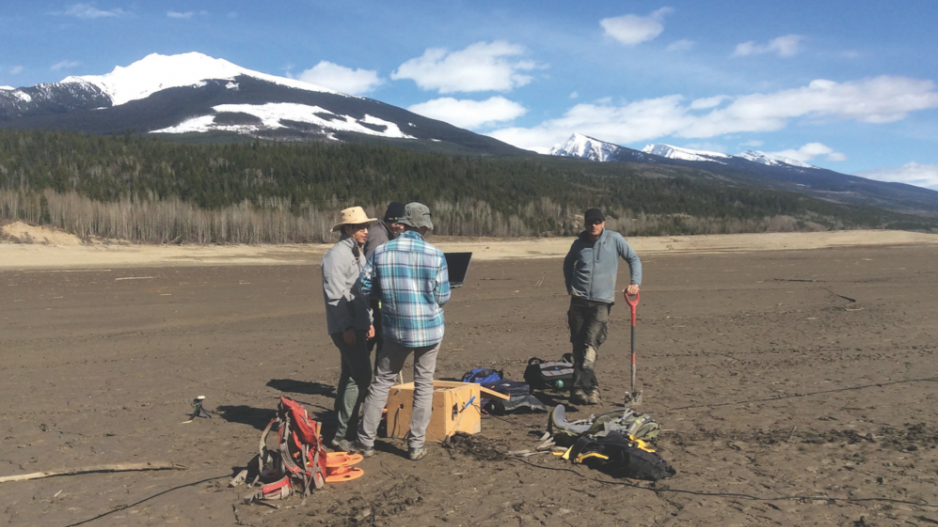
(634, 397)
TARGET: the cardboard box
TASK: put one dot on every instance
(455, 408)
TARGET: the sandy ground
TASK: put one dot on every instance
(796, 374)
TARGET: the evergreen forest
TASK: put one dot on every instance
(149, 190)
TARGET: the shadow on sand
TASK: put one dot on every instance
(308, 388)
(248, 415)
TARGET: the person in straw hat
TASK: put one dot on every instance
(348, 318)
(411, 279)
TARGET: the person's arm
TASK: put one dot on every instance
(635, 264)
(568, 262)
(441, 291)
(333, 289)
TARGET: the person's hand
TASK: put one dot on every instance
(371, 332)
(349, 337)
(631, 290)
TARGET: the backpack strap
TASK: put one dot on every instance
(278, 490)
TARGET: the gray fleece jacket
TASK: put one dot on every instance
(590, 268)
(346, 307)
(378, 234)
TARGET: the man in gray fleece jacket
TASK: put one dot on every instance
(348, 319)
(380, 233)
(589, 271)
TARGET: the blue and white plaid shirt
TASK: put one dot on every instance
(411, 279)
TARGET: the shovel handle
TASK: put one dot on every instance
(633, 305)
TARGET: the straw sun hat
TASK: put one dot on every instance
(352, 216)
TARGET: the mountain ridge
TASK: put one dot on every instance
(761, 169)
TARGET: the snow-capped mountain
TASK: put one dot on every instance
(685, 154)
(585, 147)
(193, 93)
(157, 72)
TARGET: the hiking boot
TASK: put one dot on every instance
(594, 397)
(357, 448)
(416, 454)
(339, 445)
(578, 397)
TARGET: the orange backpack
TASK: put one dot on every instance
(299, 461)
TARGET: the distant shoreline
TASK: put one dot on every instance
(62, 252)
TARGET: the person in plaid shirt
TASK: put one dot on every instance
(411, 279)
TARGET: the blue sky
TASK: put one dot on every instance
(845, 85)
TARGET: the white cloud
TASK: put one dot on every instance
(65, 64)
(709, 102)
(681, 45)
(341, 79)
(808, 152)
(787, 46)
(910, 173)
(468, 113)
(707, 146)
(753, 143)
(634, 29)
(89, 11)
(176, 14)
(876, 100)
(16, 69)
(575, 95)
(480, 67)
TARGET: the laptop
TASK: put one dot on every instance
(458, 264)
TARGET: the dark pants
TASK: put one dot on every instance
(589, 324)
(376, 341)
(354, 380)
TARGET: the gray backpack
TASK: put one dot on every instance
(625, 422)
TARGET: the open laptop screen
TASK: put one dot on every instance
(458, 264)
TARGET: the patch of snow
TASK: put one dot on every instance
(198, 124)
(772, 160)
(7, 88)
(686, 154)
(157, 72)
(23, 96)
(271, 114)
(232, 86)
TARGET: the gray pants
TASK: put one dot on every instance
(390, 362)
(589, 324)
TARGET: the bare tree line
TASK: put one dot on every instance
(274, 221)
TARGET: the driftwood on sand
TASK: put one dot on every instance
(116, 467)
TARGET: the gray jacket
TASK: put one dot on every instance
(346, 307)
(590, 268)
(378, 234)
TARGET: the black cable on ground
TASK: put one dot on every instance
(770, 399)
(98, 517)
(725, 494)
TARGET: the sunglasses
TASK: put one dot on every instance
(595, 222)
